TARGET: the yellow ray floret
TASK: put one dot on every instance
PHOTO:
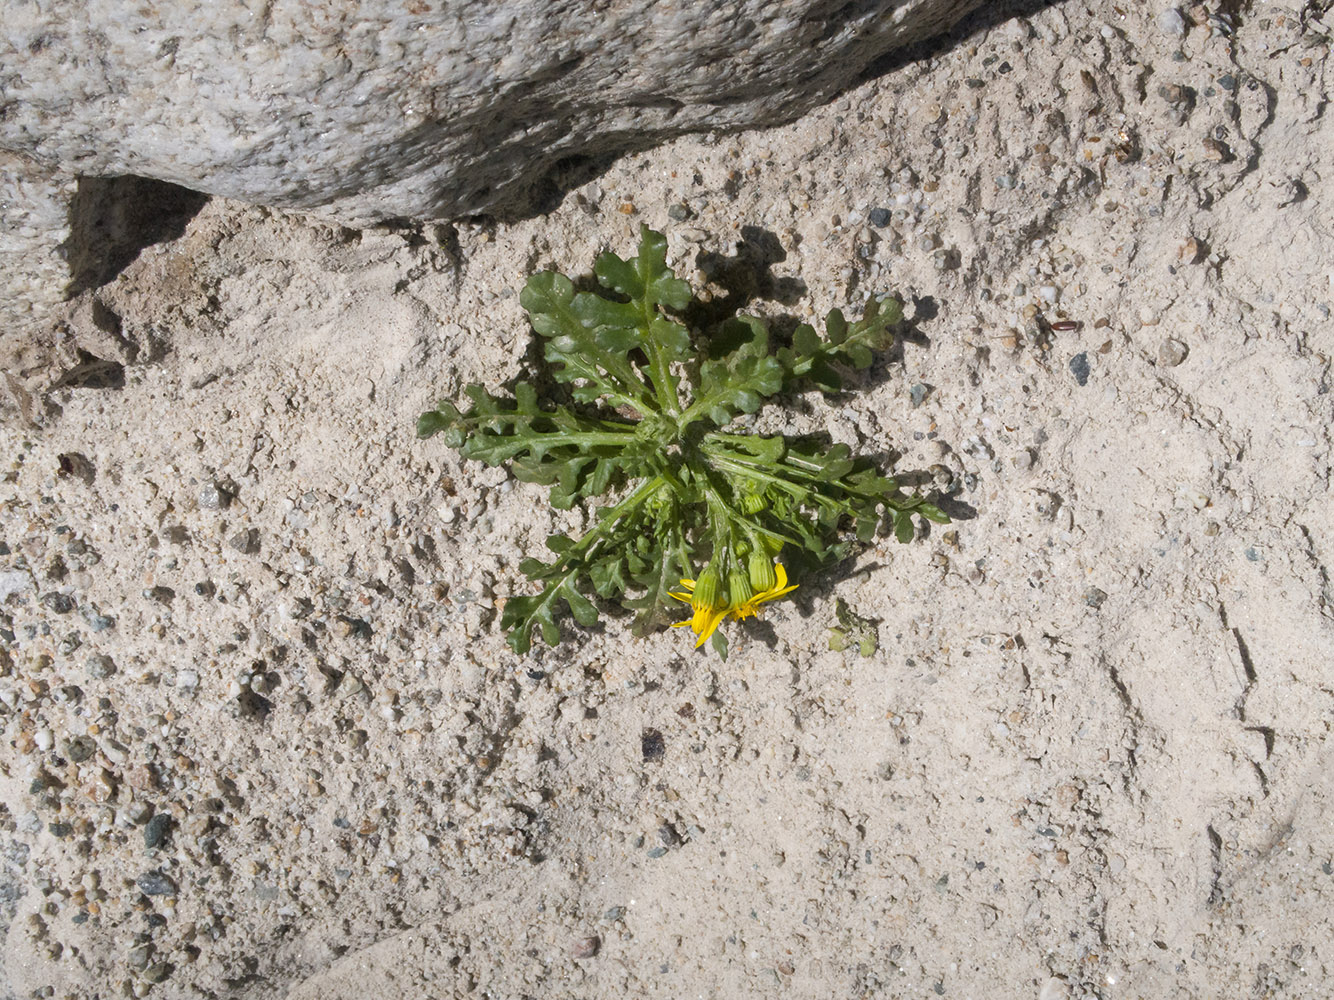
(706, 618)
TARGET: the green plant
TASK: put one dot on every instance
(852, 631)
(650, 423)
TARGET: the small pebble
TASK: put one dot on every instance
(61, 604)
(1079, 367)
(213, 497)
(918, 393)
(586, 947)
(879, 217)
(156, 883)
(1094, 597)
(80, 748)
(246, 542)
(1171, 353)
(158, 972)
(1170, 22)
(156, 831)
(1174, 94)
(678, 212)
(652, 745)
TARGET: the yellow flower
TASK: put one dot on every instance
(750, 609)
(707, 617)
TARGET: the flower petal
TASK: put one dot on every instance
(710, 626)
(770, 595)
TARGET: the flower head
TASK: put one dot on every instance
(745, 604)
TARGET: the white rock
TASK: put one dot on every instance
(1171, 22)
(421, 111)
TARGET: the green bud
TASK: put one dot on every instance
(738, 587)
(752, 503)
(761, 567)
(706, 589)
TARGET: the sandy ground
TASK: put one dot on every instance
(262, 738)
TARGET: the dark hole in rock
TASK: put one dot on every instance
(113, 218)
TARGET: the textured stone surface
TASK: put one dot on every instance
(34, 209)
(424, 109)
(386, 110)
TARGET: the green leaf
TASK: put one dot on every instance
(805, 341)
(580, 607)
(836, 327)
(903, 529)
(581, 456)
(585, 340)
(650, 285)
(719, 644)
(608, 576)
(811, 358)
(932, 513)
(435, 421)
(741, 376)
(658, 570)
(853, 628)
(645, 278)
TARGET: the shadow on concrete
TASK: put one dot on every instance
(113, 218)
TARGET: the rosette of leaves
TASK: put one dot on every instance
(648, 440)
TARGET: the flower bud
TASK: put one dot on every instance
(738, 587)
(706, 589)
(761, 568)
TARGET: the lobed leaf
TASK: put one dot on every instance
(812, 358)
(579, 456)
(740, 377)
